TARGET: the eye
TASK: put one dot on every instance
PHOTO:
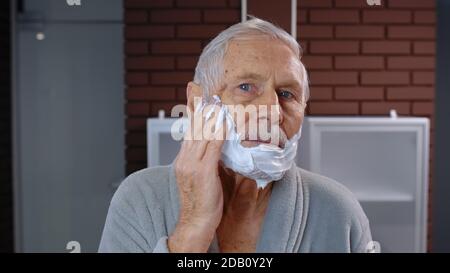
(245, 87)
(285, 94)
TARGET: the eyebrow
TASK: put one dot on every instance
(292, 83)
(250, 75)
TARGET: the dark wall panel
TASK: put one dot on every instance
(6, 222)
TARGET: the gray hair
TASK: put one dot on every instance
(209, 70)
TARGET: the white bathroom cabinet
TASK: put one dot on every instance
(384, 162)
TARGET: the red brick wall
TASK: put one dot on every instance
(366, 60)
(362, 60)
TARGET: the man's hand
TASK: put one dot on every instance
(199, 187)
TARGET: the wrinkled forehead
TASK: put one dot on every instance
(261, 56)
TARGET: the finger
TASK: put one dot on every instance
(214, 149)
(197, 123)
(206, 124)
(199, 146)
(193, 132)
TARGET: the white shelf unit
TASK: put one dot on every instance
(384, 162)
(162, 148)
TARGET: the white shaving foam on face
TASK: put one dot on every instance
(263, 163)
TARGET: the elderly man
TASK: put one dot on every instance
(205, 201)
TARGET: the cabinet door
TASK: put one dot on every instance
(384, 164)
(71, 133)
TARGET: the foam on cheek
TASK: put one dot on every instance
(263, 163)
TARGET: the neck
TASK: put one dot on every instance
(242, 198)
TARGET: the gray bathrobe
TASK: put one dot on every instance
(306, 213)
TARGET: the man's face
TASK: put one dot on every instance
(264, 72)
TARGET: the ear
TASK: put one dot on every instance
(193, 91)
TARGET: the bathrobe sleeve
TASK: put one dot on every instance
(129, 226)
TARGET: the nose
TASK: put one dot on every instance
(270, 99)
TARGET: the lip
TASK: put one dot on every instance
(253, 143)
(258, 139)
